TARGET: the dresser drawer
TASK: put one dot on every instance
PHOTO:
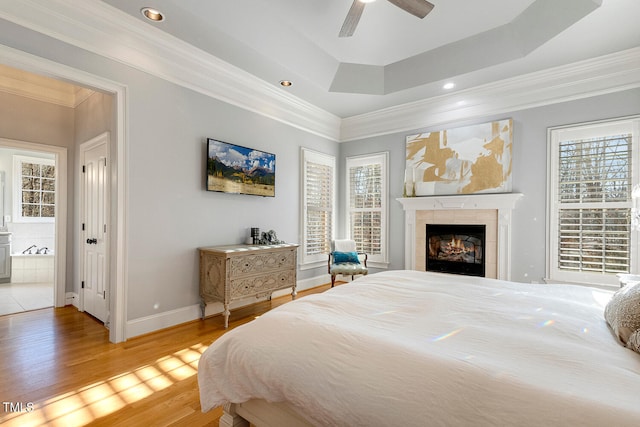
(263, 284)
(262, 263)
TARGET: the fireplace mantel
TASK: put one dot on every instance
(503, 203)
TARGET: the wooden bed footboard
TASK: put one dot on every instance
(260, 413)
(230, 417)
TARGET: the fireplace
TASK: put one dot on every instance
(492, 210)
(456, 248)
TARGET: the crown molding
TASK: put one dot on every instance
(101, 29)
(597, 76)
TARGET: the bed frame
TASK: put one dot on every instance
(260, 413)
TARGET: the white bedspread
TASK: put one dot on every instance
(406, 348)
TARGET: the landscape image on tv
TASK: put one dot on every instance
(235, 169)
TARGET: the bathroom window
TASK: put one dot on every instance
(34, 185)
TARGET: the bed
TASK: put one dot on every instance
(408, 348)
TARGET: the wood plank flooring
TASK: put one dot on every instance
(59, 369)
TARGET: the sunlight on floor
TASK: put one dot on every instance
(94, 401)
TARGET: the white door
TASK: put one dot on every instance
(95, 206)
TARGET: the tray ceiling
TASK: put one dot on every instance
(394, 57)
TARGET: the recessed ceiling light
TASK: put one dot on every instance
(367, 1)
(152, 14)
(449, 85)
(286, 83)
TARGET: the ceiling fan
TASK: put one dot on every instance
(419, 8)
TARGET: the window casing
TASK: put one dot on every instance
(318, 207)
(367, 190)
(592, 171)
(35, 192)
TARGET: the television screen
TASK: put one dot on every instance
(235, 169)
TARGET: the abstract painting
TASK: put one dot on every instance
(464, 160)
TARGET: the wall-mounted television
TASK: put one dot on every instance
(235, 169)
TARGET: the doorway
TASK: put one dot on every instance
(68, 285)
(27, 228)
(57, 254)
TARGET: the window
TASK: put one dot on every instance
(318, 206)
(367, 188)
(592, 174)
(35, 181)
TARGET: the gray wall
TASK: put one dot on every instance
(171, 214)
(529, 172)
(168, 210)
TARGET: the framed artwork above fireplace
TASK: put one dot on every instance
(464, 160)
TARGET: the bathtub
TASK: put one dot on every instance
(32, 268)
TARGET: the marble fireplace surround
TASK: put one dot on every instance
(493, 210)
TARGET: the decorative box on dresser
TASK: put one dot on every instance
(234, 272)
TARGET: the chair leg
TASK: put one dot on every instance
(333, 280)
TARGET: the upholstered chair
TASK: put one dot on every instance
(345, 260)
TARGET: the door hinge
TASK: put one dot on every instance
(104, 228)
(105, 162)
(104, 294)
(83, 284)
(83, 169)
(83, 226)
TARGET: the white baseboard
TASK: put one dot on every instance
(163, 320)
(72, 298)
(167, 319)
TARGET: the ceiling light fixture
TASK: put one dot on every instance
(449, 85)
(152, 14)
(286, 83)
(367, 1)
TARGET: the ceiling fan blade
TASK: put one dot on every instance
(419, 8)
(351, 21)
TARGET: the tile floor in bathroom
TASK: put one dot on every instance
(18, 297)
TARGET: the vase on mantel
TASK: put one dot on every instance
(411, 183)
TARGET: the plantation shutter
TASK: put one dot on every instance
(367, 201)
(319, 205)
(594, 202)
(319, 208)
(365, 207)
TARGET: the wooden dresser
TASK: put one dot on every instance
(230, 273)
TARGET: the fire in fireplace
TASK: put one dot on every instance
(456, 248)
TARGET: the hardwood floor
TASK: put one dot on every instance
(59, 369)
